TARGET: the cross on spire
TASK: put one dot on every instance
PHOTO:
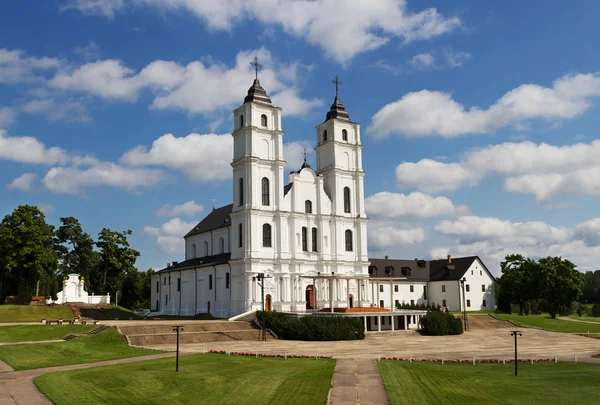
(304, 153)
(256, 65)
(337, 83)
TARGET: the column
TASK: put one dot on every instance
(365, 320)
(405, 323)
(331, 294)
(392, 294)
(378, 293)
(393, 321)
(378, 323)
(348, 292)
(372, 291)
(359, 287)
(314, 294)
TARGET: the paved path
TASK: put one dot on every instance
(17, 387)
(355, 382)
(566, 318)
(31, 342)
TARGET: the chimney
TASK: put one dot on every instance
(449, 259)
(169, 265)
(175, 264)
(386, 257)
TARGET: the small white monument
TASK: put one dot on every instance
(74, 291)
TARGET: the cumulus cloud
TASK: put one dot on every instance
(436, 113)
(413, 205)
(342, 29)
(27, 149)
(188, 208)
(169, 236)
(16, 67)
(58, 110)
(385, 234)
(23, 182)
(73, 180)
(7, 116)
(293, 153)
(539, 169)
(422, 61)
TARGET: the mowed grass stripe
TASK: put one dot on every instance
(540, 383)
(545, 322)
(107, 345)
(33, 313)
(202, 379)
(26, 333)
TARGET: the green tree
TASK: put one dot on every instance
(117, 259)
(560, 283)
(519, 281)
(135, 289)
(76, 251)
(27, 252)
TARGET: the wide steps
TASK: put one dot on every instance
(486, 321)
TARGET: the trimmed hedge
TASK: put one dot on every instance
(312, 327)
(437, 323)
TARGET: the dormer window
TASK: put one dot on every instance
(263, 120)
(325, 136)
(405, 271)
(344, 135)
(389, 270)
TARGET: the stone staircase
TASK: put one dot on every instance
(199, 332)
(485, 322)
(94, 331)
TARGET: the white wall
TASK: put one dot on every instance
(481, 287)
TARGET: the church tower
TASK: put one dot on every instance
(339, 161)
(257, 168)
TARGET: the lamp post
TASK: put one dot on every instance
(177, 328)
(260, 278)
(464, 305)
(516, 333)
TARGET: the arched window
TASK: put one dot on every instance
(265, 191)
(227, 280)
(263, 120)
(308, 206)
(344, 135)
(348, 235)
(241, 191)
(205, 248)
(193, 250)
(304, 239)
(221, 245)
(266, 235)
(314, 239)
(210, 281)
(240, 236)
(241, 121)
(324, 135)
(346, 199)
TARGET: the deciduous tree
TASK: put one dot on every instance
(117, 258)
(560, 283)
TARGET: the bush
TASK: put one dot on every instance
(437, 323)
(596, 310)
(312, 327)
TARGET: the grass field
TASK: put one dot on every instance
(540, 383)
(119, 312)
(594, 319)
(106, 345)
(24, 333)
(33, 313)
(202, 379)
(545, 322)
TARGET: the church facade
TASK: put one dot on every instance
(276, 234)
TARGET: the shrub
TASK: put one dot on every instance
(312, 327)
(596, 310)
(437, 323)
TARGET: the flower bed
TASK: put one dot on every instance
(434, 360)
(596, 356)
(256, 354)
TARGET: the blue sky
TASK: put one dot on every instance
(479, 119)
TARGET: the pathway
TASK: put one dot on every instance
(566, 318)
(355, 382)
(31, 342)
(17, 387)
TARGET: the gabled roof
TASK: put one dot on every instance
(441, 270)
(218, 218)
(413, 270)
(199, 262)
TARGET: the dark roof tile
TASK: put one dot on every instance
(218, 218)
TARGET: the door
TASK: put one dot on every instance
(350, 301)
(268, 302)
(310, 297)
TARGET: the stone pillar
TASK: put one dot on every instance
(359, 287)
(393, 320)
(331, 294)
(372, 291)
(378, 323)
(348, 292)
(405, 322)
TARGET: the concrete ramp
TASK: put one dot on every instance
(485, 322)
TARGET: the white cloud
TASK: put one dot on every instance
(293, 153)
(386, 234)
(422, 61)
(194, 88)
(430, 113)
(202, 157)
(15, 67)
(542, 170)
(46, 208)
(341, 28)
(7, 116)
(188, 209)
(27, 149)
(169, 237)
(589, 232)
(88, 52)
(72, 180)
(456, 58)
(23, 182)
(58, 110)
(413, 205)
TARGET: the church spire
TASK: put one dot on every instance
(256, 94)
(337, 109)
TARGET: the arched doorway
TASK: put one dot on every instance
(268, 302)
(350, 301)
(310, 297)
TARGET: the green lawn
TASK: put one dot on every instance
(119, 312)
(106, 345)
(545, 322)
(540, 383)
(33, 313)
(24, 333)
(202, 379)
(594, 319)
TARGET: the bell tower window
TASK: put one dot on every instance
(265, 191)
(241, 186)
(241, 121)
(348, 237)
(266, 235)
(325, 136)
(263, 120)
(240, 235)
(304, 239)
(344, 135)
(346, 199)
(314, 235)
(308, 207)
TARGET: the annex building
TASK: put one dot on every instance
(300, 244)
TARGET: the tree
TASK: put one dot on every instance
(135, 289)
(117, 258)
(519, 281)
(27, 252)
(560, 283)
(76, 251)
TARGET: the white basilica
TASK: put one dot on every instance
(314, 223)
(307, 237)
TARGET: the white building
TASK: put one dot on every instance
(307, 237)
(74, 291)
